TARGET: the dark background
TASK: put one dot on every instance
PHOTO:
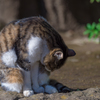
(63, 15)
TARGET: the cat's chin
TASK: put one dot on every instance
(47, 69)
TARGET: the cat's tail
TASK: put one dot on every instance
(60, 87)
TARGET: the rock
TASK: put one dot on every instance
(89, 94)
(4, 95)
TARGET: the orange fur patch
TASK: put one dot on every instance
(15, 76)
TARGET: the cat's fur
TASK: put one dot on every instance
(26, 43)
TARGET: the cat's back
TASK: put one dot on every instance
(20, 31)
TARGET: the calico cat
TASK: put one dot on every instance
(26, 43)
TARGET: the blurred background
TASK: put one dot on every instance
(63, 15)
(69, 18)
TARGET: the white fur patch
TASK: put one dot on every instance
(34, 49)
(28, 93)
(37, 49)
(12, 87)
(9, 58)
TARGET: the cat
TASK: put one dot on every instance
(26, 43)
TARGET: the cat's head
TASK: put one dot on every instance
(56, 58)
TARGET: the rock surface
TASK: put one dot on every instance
(89, 94)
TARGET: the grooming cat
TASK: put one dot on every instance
(26, 43)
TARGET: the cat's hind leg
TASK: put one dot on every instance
(13, 80)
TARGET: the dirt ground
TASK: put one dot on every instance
(83, 70)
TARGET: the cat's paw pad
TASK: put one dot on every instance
(28, 93)
(39, 90)
(49, 89)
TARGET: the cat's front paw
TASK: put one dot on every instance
(39, 90)
(50, 89)
(28, 93)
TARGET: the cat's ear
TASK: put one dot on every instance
(59, 55)
(71, 53)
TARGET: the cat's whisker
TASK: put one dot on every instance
(19, 67)
(47, 69)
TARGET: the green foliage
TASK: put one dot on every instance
(92, 30)
(91, 1)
